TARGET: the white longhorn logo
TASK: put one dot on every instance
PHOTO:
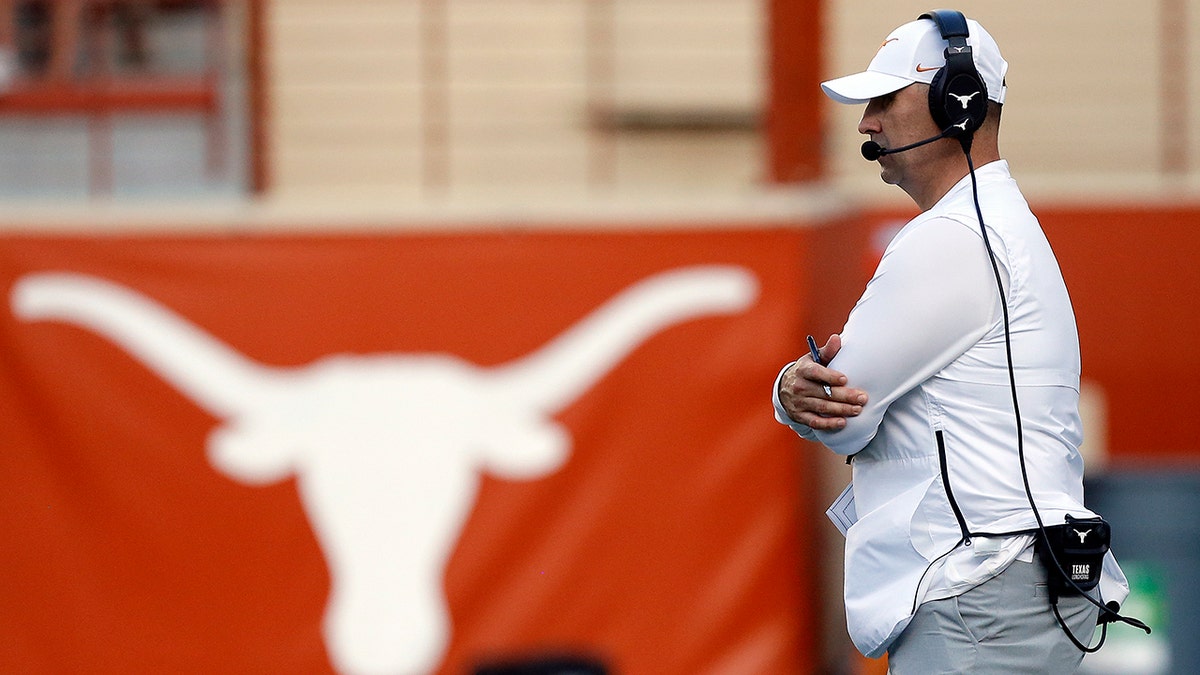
(964, 100)
(386, 449)
(1082, 534)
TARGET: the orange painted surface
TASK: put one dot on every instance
(673, 540)
(794, 119)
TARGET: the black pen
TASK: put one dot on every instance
(816, 357)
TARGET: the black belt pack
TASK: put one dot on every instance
(1073, 554)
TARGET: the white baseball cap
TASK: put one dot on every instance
(915, 52)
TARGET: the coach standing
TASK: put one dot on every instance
(941, 568)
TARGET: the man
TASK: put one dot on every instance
(942, 571)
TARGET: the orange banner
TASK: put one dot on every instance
(403, 454)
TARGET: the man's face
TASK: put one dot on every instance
(897, 119)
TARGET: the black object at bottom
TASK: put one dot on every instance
(1073, 554)
(545, 665)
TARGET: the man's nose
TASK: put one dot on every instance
(869, 124)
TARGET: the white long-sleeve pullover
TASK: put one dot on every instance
(936, 462)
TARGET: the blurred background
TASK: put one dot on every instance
(472, 179)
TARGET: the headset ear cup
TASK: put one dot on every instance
(957, 93)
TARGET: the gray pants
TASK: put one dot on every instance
(1002, 627)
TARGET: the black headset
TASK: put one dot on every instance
(957, 95)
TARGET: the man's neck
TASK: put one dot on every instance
(953, 169)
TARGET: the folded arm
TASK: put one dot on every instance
(932, 297)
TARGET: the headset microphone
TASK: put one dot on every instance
(872, 151)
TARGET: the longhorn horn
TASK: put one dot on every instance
(564, 368)
(215, 376)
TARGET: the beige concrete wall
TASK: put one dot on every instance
(344, 104)
(478, 99)
(420, 101)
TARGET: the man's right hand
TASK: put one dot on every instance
(802, 391)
